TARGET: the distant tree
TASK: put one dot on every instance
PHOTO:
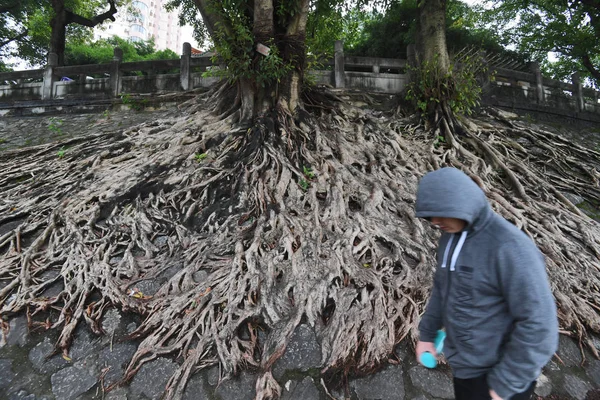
(387, 33)
(570, 29)
(29, 29)
(101, 51)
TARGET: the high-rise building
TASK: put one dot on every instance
(149, 19)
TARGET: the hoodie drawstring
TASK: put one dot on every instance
(448, 246)
(457, 249)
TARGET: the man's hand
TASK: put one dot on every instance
(422, 347)
(494, 395)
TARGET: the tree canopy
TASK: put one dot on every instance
(26, 26)
(570, 29)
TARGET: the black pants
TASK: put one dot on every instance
(477, 389)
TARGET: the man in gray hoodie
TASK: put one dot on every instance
(490, 293)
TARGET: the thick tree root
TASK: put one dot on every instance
(290, 219)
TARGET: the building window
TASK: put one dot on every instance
(138, 28)
(135, 39)
(142, 7)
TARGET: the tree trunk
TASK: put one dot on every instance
(285, 32)
(58, 25)
(431, 37)
(432, 55)
(63, 17)
(295, 51)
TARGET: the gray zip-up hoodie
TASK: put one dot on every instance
(490, 291)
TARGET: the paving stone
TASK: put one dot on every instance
(552, 366)
(70, 382)
(195, 389)
(593, 371)
(152, 378)
(305, 390)
(403, 352)
(387, 384)
(576, 387)
(569, 352)
(421, 397)
(433, 382)
(200, 276)
(242, 387)
(38, 357)
(116, 360)
(132, 326)
(213, 376)
(24, 395)
(596, 341)
(544, 386)
(6, 373)
(148, 287)
(118, 394)
(56, 288)
(302, 353)
(85, 343)
(18, 333)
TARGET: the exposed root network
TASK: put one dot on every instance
(293, 218)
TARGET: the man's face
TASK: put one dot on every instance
(450, 225)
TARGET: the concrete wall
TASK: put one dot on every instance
(90, 89)
(368, 81)
(520, 89)
(23, 91)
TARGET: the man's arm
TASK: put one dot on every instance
(534, 337)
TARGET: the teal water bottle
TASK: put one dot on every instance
(427, 359)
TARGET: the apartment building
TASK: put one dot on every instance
(150, 19)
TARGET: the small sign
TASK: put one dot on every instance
(262, 49)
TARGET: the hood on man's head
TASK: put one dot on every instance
(449, 193)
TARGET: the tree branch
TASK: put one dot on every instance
(210, 17)
(9, 7)
(18, 37)
(587, 63)
(98, 19)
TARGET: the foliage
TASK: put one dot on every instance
(234, 45)
(387, 34)
(200, 157)
(25, 26)
(61, 153)
(189, 15)
(133, 103)
(459, 87)
(570, 29)
(331, 21)
(55, 125)
(102, 50)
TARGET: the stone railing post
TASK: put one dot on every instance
(578, 91)
(48, 84)
(185, 71)
(340, 76)
(540, 96)
(115, 73)
(376, 67)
